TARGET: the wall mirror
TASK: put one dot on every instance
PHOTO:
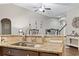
(75, 22)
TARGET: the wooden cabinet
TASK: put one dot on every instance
(32, 53)
(47, 54)
(72, 41)
(13, 52)
(0, 51)
(18, 52)
(6, 51)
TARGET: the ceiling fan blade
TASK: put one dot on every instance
(36, 7)
(36, 10)
(48, 8)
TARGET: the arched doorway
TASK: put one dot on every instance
(6, 26)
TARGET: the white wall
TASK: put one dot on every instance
(54, 23)
(70, 15)
(20, 17)
(62, 23)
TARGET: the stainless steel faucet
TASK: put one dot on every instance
(2, 40)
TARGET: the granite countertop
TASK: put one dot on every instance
(32, 35)
(73, 35)
(50, 48)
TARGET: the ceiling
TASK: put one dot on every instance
(57, 9)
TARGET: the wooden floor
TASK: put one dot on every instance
(71, 51)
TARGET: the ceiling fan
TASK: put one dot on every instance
(42, 8)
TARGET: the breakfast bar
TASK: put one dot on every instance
(45, 46)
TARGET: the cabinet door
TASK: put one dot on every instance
(67, 40)
(0, 51)
(31, 53)
(13, 52)
(6, 51)
(18, 52)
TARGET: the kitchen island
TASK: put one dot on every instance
(49, 47)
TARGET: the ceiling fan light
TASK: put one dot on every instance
(40, 9)
(43, 10)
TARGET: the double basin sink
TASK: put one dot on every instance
(26, 44)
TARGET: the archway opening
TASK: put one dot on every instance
(5, 26)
